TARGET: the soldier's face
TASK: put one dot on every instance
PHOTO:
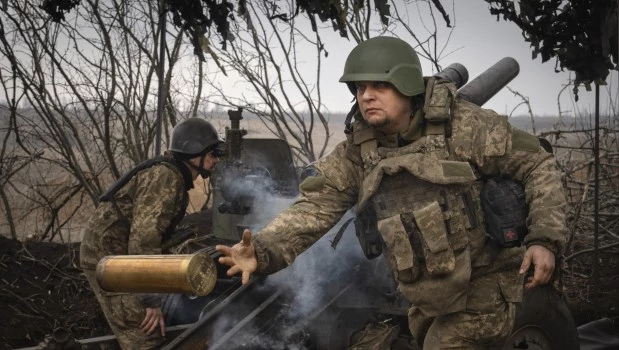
(383, 106)
(209, 162)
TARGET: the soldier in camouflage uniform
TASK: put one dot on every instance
(136, 215)
(414, 157)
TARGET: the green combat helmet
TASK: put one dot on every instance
(385, 59)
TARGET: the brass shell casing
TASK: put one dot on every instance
(183, 273)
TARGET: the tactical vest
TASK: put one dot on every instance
(109, 194)
(426, 208)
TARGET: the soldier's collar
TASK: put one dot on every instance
(413, 133)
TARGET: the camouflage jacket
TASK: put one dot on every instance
(135, 221)
(478, 137)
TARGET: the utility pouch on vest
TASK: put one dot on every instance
(402, 259)
(437, 107)
(439, 256)
(367, 232)
(505, 211)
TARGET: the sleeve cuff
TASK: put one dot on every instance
(553, 247)
(262, 257)
(151, 300)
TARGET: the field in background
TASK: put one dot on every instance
(33, 214)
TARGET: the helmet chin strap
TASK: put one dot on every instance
(200, 169)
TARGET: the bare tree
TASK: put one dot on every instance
(525, 102)
(270, 54)
(573, 143)
(89, 85)
(266, 54)
(429, 44)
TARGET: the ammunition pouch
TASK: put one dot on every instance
(505, 209)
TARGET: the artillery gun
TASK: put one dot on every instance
(298, 308)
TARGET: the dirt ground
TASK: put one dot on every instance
(589, 299)
(42, 289)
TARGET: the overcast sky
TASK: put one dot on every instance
(477, 41)
(480, 41)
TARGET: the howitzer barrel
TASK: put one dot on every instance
(183, 273)
(488, 83)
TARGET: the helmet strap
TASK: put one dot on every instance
(349, 116)
(200, 169)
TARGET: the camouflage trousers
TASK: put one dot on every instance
(124, 313)
(486, 322)
(382, 336)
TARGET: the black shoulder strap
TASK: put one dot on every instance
(111, 191)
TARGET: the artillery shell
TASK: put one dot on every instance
(183, 273)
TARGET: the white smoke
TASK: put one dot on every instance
(265, 209)
(306, 284)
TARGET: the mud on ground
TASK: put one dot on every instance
(587, 298)
(42, 288)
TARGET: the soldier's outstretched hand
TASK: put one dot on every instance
(543, 261)
(241, 257)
